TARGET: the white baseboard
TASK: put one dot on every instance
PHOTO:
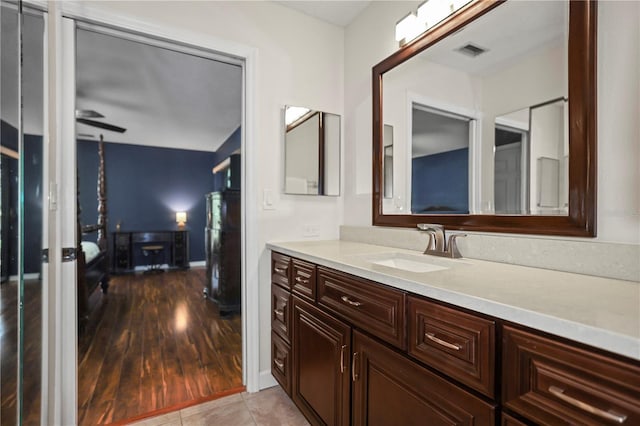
(266, 380)
(198, 263)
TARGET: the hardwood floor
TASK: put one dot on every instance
(154, 342)
(32, 352)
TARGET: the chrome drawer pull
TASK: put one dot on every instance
(342, 358)
(279, 363)
(278, 312)
(301, 280)
(279, 270)
(351, 302)
(609, 415)
(441, 342)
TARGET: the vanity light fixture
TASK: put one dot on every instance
(429, 13)
(181, 219)
(409, 28)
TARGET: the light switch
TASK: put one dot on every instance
(267, 200)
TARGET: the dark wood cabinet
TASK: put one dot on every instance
(281, 312)
(411, 360)
(280, 270)
(223, 250)
(303, 281)
(281, 362)
(459, 344)
(128, 248)
(321, 379)
(552, 382)
(373, 307)
(390, 389)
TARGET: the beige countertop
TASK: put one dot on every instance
(600, 312)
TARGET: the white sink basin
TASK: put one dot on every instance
(404, 262)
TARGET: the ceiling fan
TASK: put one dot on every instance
(86, 116)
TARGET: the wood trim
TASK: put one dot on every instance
(181, 406)
(581, 220)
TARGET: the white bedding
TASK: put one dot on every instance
(91, 250)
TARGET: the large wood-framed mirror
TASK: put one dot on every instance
(430, 84)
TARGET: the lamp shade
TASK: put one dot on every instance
(181, 217)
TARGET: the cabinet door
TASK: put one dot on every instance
(390, 389)
(321, 347)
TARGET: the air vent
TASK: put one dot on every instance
(471, 50)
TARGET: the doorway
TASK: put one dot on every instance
(143, 336)
(510, 177)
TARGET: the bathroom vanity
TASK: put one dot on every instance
(365, 334)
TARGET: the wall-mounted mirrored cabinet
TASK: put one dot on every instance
(493, 118)
(312, 152)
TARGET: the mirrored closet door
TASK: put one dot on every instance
(22, 168)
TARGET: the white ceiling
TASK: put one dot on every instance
(163, 97)
(170, 99)
(507, 32)
(335, 12)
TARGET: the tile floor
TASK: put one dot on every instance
(269, 407)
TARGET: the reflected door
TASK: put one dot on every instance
(21, 212)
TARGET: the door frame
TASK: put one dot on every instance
(63, 399)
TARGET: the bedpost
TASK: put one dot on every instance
(81, 265)
(102, 198)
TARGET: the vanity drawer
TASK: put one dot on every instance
(459, 344)
(280, 269)
(372, 307)
(281, 312)
(304, 279)
(552, 382)
(281, 362)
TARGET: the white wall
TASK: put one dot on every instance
(299, 62)
(369, 39)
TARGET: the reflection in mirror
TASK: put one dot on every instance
(21, 227)
(539, 186)
(458, 92)
(550, 149)
(312, 152)
(439, 161)
(511, 176)
(387, 163)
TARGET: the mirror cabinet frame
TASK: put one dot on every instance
(582, 64)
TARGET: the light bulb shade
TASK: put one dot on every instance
(432, 12)
(181, 217)
(409, 28)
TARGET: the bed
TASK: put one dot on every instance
(92, 247)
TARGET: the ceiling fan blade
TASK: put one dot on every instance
(88, 113)
(101, 125)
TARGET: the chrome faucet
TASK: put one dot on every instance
(437, 245)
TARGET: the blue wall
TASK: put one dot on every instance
(440, 183)
(146, 186)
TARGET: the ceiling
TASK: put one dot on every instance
(335, 12)
(167, 98)
(163, 97)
